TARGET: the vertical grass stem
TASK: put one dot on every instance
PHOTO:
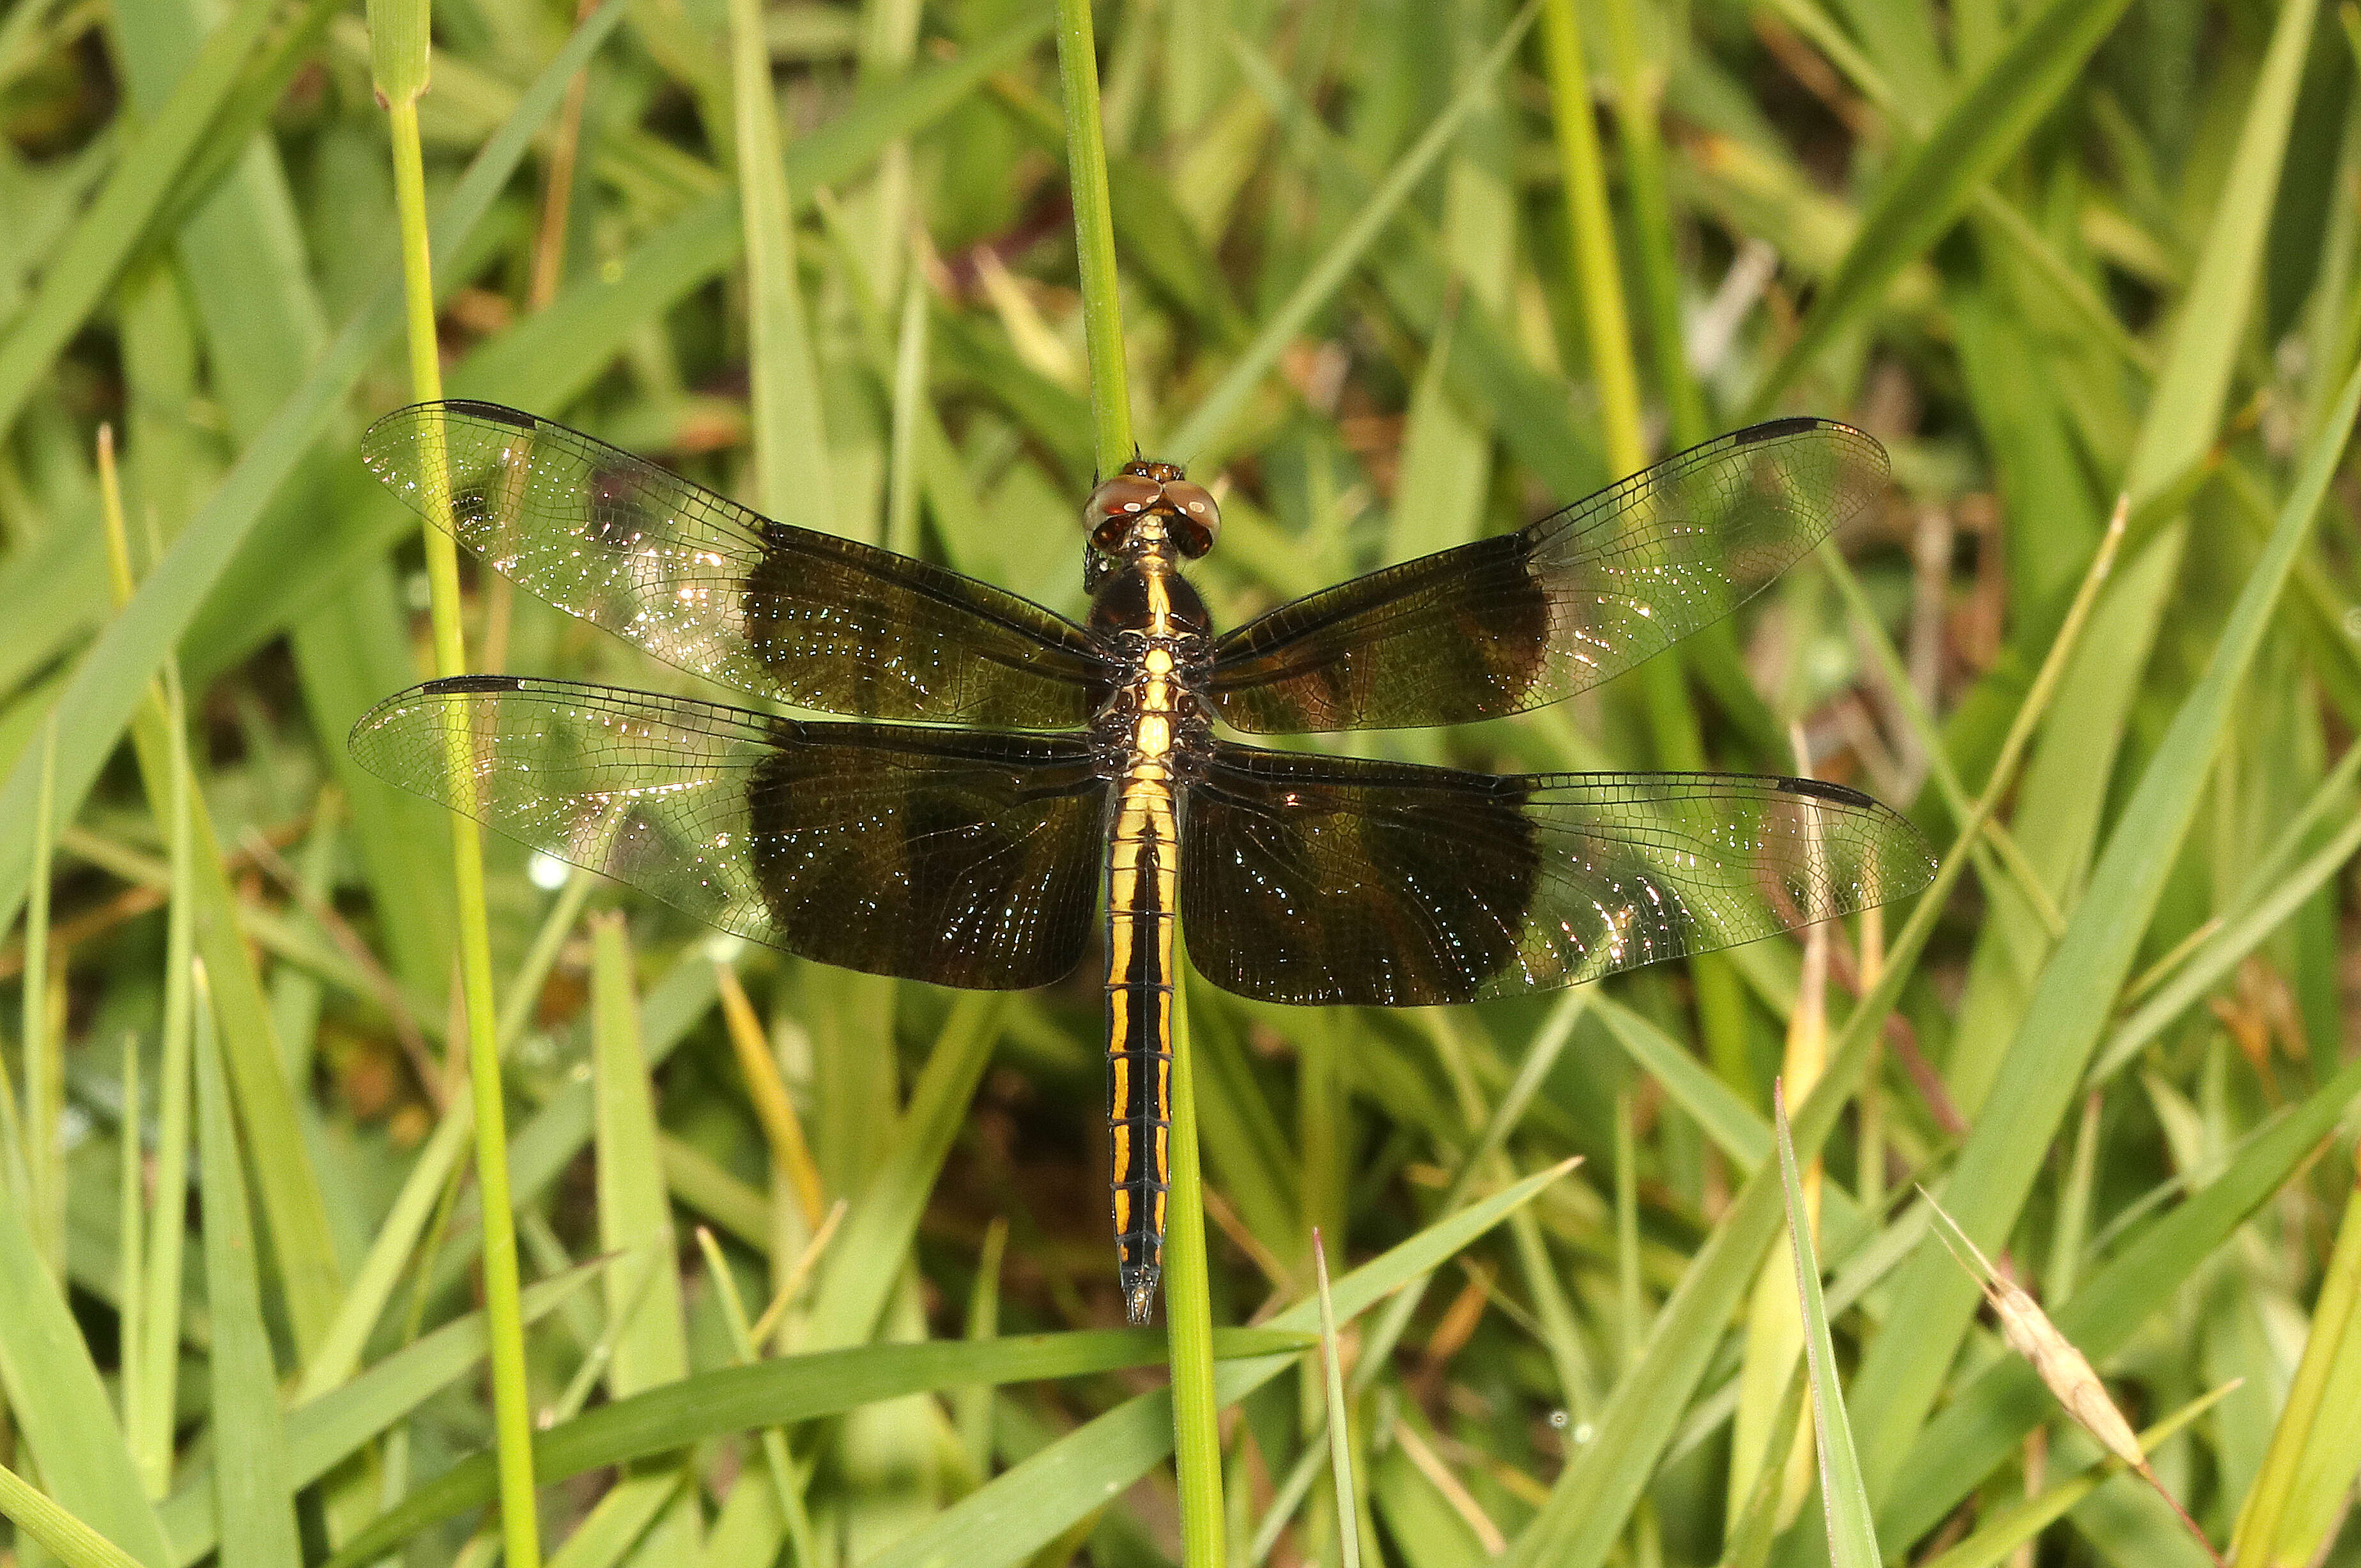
(1722, 1013)
(1188, 1305)
(503, 1308)
(1186, 1276)
(44, 1076)
(1078, 77)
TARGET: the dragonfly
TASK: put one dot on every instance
(1002, 776)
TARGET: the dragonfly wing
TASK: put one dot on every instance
(1506, 624)
(705, 584)
(1330, 880)
(952, 856)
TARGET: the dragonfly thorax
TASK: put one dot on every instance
(1155, 713)
(1146, 596)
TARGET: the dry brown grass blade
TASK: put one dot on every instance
(2062, 1367)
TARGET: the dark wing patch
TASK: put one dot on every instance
(1524, 619)
(1326, 880)
(941, 855)
(703, 583)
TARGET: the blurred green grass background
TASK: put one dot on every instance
(1395, 274)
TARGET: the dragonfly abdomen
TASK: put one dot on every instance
(1143, 863)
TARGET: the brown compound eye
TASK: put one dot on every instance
(1113, 507)
(1196, 518)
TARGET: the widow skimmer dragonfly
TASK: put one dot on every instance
(1007, 762)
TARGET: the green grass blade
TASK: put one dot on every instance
(559, 1131)
(634, 1211)
(294, 1209)
(2003, 1532)
(1747, 1535)
(1140, 197)
(157, 1341)
(94, 255)
(111, 680)
(74, 1543)
(2225, 950)
(15, 1174)
(131, 1240)
(296, 992)
(1440, 493)
(2038, 1079)
(251, 1484)
(777, 1457)
(44, 1085)
(2022, 878)
(1599, 276)
(1900, 36)
(914, 424)
(1736, 1128)
(1242, 1139)
(263, 325)
(1446, 452)
(781, 1392)
(1631, 1297)
(1189, 1311)
(791, 464)
(323, 1433)
(1340, 1443)
(2059, 812)
(2185, 413)
(650, 1341)
(400, 41)
(1598, 279)
(1986, 123)
(1285, 1503)
(1979, 1429)
(2315, 1447)
(1025, 1509)
(1487, 369)
(1086, 174)
(870, 1253)
(1852, 1536)
(1638, 87)
(971, 1408)
(60, 1409)
(338, 1353)
(1322, 1111)
(1541, 1057)
(547, 359)
(1593, 1498)
(1208, 423)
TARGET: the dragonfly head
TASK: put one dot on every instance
(1149, 506)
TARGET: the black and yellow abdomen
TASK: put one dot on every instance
(1143, 892)
(1153, 728)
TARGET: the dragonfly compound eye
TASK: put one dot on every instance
(1196, 517)
(1115, 506)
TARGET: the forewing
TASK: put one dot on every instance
(1529, 618)
(1329, 880)
(943, 855)
(703, 583)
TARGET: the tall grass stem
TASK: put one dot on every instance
(1188, 1317)
(1188, 1301)
(503, 1307)
(1607, 325)
(1086, 167)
